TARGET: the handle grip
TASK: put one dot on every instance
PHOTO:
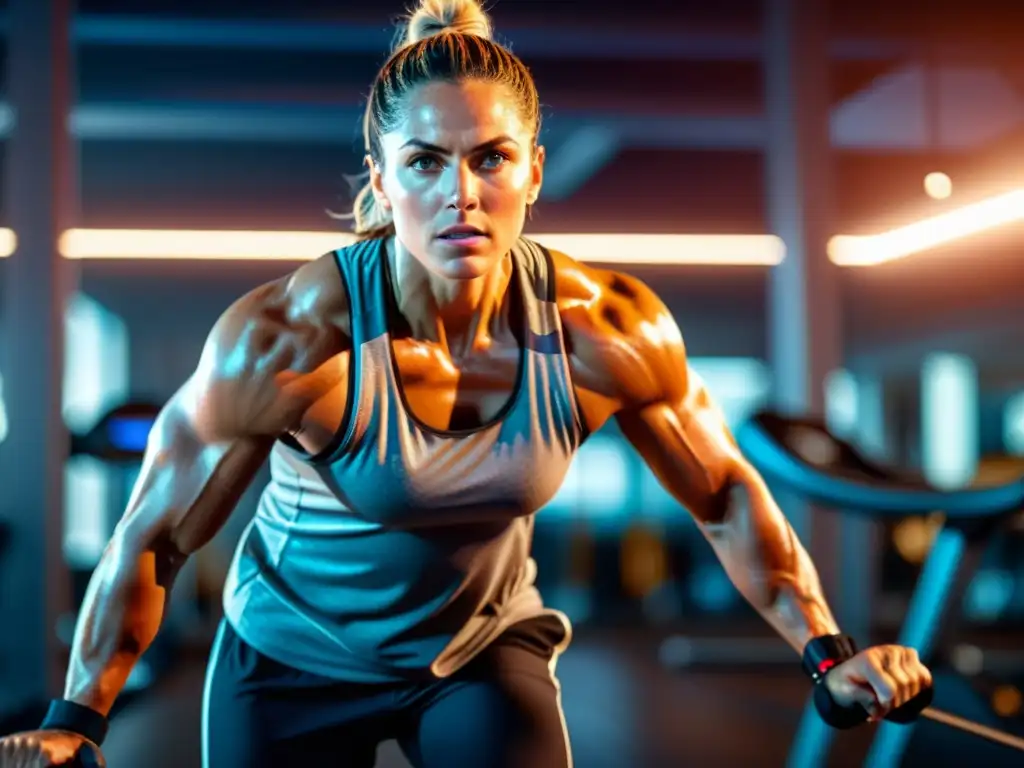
(909, 711)
(87, 756)
(848, 717)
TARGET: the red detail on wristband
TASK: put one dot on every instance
(825, 665)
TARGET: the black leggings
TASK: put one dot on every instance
(502, 710)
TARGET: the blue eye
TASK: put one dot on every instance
(495, 159)
(423, 163)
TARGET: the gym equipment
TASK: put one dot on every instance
(88, 757)
(977, 729)
(804, 457)
(120, 435)
(919, 707)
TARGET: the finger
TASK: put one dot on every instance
(924, 674)
(905, 680)
(891, 662)
(15, 752)
(11, 753)
(921, 674)
(19, 750)
(884, 687)
(29, 753)
(920, 677)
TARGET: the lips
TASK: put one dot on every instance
(461, 231)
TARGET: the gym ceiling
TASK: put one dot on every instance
(221, 114)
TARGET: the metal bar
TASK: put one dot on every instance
(313, 123)
(341, 124)
(976, 729)
(708, 44)
(950, 566)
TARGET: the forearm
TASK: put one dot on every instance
(120, 616)
(770, 567)
(793, 601)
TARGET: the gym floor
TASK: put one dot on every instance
(623, 711)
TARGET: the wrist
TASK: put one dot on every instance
(824, 652)
(820, 656)
(65, 715)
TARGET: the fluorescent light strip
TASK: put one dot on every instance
(869, 250)
(754, 250)
(731, 250)
(219, 245)
(714, 250)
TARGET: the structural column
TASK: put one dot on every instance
(39, 196)
(804, 325)
(805, 328)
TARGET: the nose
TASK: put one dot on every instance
(464, 195)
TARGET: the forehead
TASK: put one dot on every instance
(452, 114)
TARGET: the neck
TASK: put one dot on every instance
(461, 315)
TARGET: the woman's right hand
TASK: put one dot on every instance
(46, 749)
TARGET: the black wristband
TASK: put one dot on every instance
(823, 653)
(835, 715)
(820, 655)
(65, 715)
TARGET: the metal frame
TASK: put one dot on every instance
(952, 562)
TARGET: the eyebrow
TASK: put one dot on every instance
(441, 150)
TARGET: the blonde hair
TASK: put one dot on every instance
(442, 40)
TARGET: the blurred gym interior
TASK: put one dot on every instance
(854, 172)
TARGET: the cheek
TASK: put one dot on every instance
(507, 194)
(520, 177)
(413, 199)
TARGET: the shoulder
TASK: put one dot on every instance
(290, 309)
(576, 282)
(264, 347)
(623, 336)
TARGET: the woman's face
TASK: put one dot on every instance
(457, 174)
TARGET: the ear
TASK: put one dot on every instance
(377, 183)
(536, 175)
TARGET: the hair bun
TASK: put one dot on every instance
(436, 16)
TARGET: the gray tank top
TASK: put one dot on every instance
(401, 551)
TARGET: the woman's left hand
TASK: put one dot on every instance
(880, 679)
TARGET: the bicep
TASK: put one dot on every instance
(215, 433)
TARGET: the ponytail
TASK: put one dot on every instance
(370, 219)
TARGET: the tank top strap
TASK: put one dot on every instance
(363, 274)
(537, 274)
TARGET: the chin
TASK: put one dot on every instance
(467, 265)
